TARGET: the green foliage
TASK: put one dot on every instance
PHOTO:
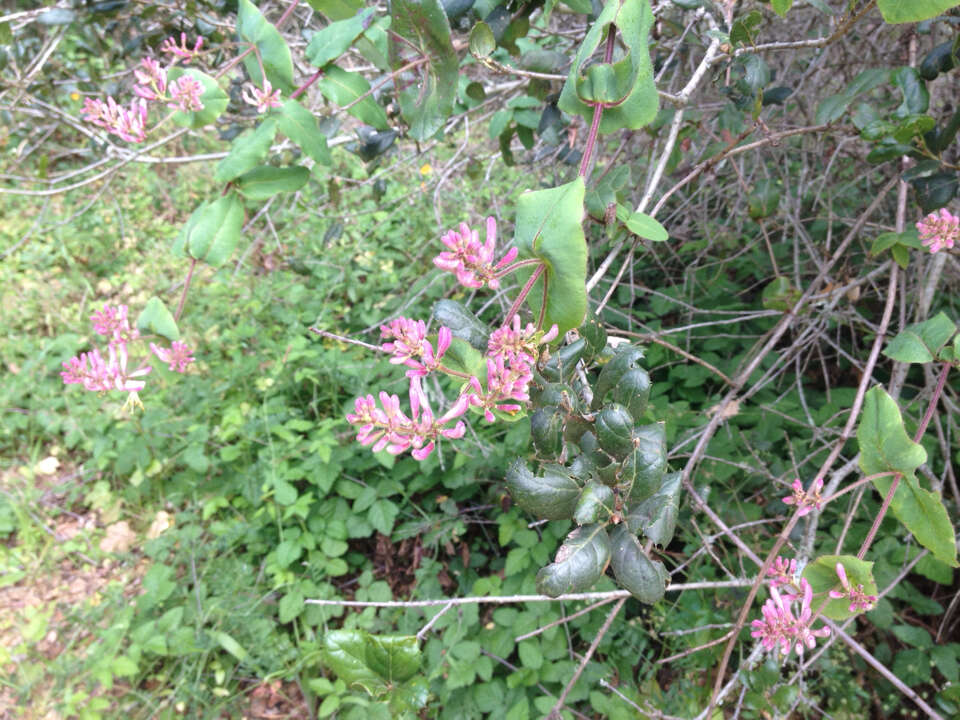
(213, 99)
(908, 11)
(213, 230)
(156, 318)
(822, 576)
(253, 28)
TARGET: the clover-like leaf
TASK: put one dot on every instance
(646, 579)
(579, 563)
(551, 497)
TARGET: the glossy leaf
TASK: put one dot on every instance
(935, 191)
(646, 579)
(642, 225)
(374, 662)
(246, 152)
(342, 87)
(395, 658)
(596, 504)
(920, 343)
(548, 228)
(331, 42)
(916, 97)
(214, 99)
(822, 576)
(551, 497)
(656, 517)
(562, 362)
(579, 563)
(645, 466)
(254, 28)
(299, 124)
(482, 42)
(627, 358)
(156, 319)
(943, 58)
(628, 81)
(546, 431)
(908, 11)
(462, 323)
(212, 231)
(264, 182)
(614, 427)
(633, 391)
(425, 104)
(594, 334)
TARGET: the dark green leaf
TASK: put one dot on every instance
(613, 428)
(543, 61)
(595, 335)
(264, 182)
(627, 358)
(462, 323)
(916, 98)
(633, 391)
(548, 227)
(596, 504)
(546, 431)
(342, 88)
(246, 152)
(742, 30)
(764, 199)
(274, 53)
(822, 576)
(656, 517)
(551, 497)
(645, 466)
(157, 320)
(299, 124)
(580, 562)
(920, 343)
(645, 579)
(940, 59)
(213, 99)
(345, 652)
(935, 191)
(336, 38)
(563, 362)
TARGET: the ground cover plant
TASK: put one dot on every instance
(442, 359)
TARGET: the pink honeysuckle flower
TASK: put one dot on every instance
(512, 342)
(470, 261)
(506, 382)
(782, 572)
(781, 629)
(181, 51)
(185, 93)
(114, 323)
(178, 356)
(859, 600)
(263, 99)
(939, 230)
(102, 375)
(806, 502)
(409, 345)
(129, 124)
(151, 79)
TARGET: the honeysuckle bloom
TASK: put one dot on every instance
(129, 124)
(805, 501)
(185, 94)
(409, 345)
(513, 343)
(781, 629)
(859, 600)
(181, 51)
(939, 230)
(782, 572)
(113, 322)
(471, 261)
(263, 99)
(101, 375)
(151, 79)
(178, 356)
(391, 430)
(507, 386)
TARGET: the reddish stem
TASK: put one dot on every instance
(597, 109)
(524, 291)
(300, 90)
(186, 289)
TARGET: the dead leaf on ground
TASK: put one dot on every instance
(119, 537)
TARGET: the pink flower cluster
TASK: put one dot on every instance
(181, 51)
(780, 628)
(470, 261)
(127, 123)
(940, 230)
(262, 99)
(101, 374)
(409, 345)
(859, 600)
(782, 572)
(806, 502)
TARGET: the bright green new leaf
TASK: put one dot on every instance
(920, 343)
(782, 7)
(212, 231)
(264, 182)
(336, 9)
(548, 228)
(822, 576)
(642, 225)
(579, 563)
(645, 579)
(395, 658)
(157, 320)
(252, 27)
(426, 104)
(345, 652)
(246, 152)
(336, 38)
(299, 124)
(342, 87)
(626, 81)
(908, 11)
(213, 99)
(230, 645)
(482, 42)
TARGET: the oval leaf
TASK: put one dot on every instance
(644, 578)
(580, 562)
(596, 504)
(157, 320)
(551, 497)
(264, 182)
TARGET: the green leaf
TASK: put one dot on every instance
(230, 645)
(935, 191)
(579, 563)
(290, 606)
(345, 88)
(462, 323)
(780, 294)
(916, 97)
(213, 99)
(395, 658)
(345, 653)
(212, 231)
(764, 199)
(546, 431)
(596, 504)
(462, 357)
(657, 516)
(908, 11)
(884, 241)
(482, 42)
(627, 81)
(157, 320)
(274, 53)
(645, 579)
(642, 225)
(336, 38)
(552, 496)
(299, 124)
(643, 470)
(336, 9)
(614, 427)
(633, 391)
(627, 358)
(264, 182)
(822, 576)
(548, 228)
(920, 343)
(742, 30)
(246, 152)
(426, 104)
(782, 7)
